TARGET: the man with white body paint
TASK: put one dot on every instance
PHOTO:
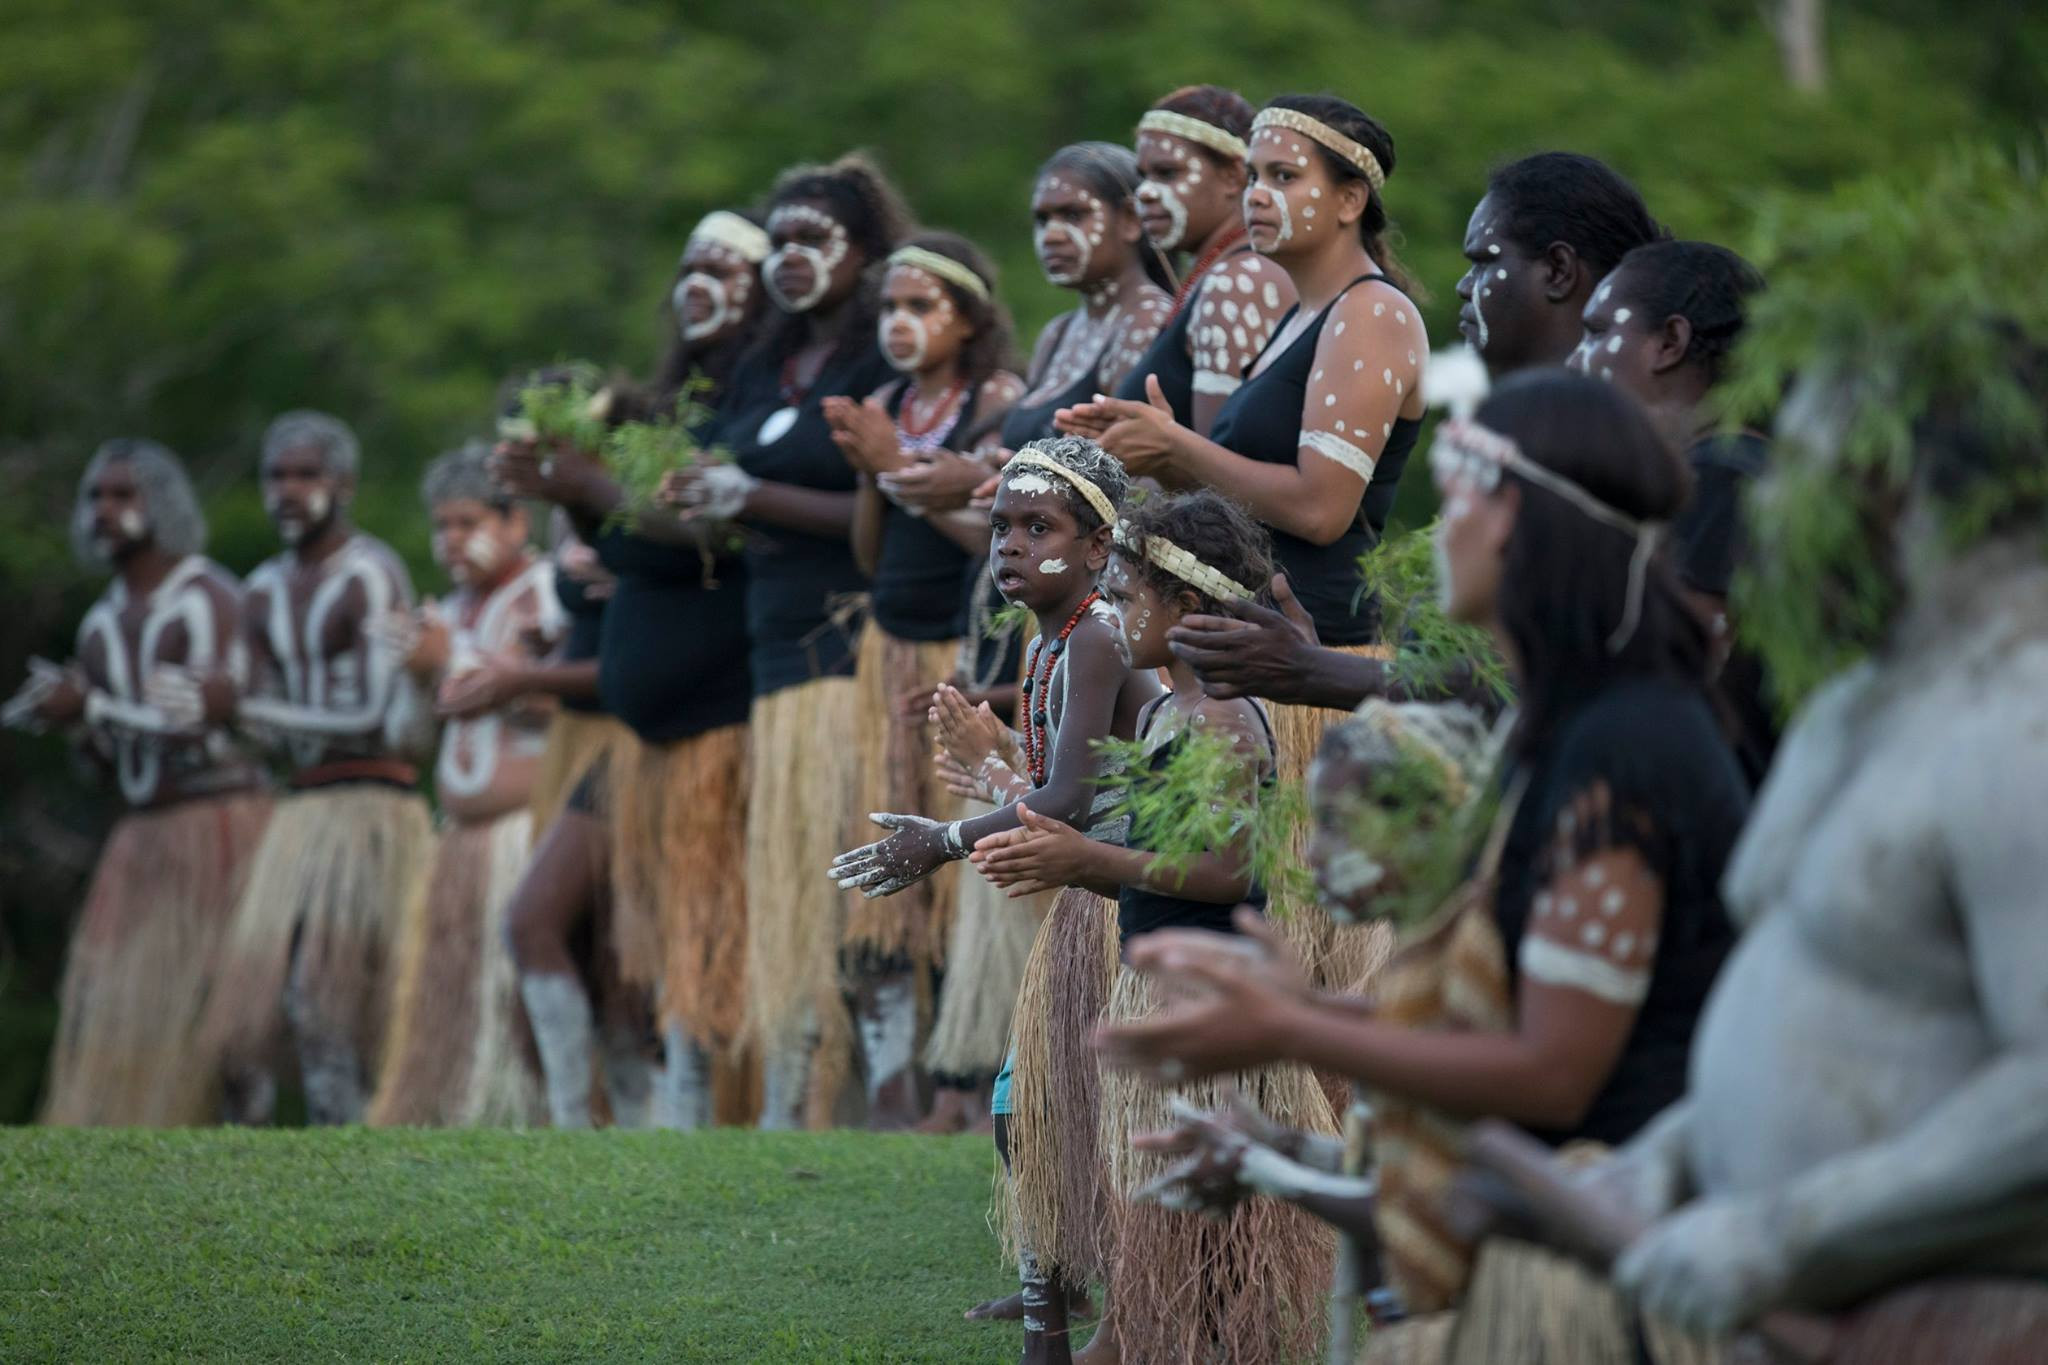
(455, 1047)
(128, 1049)
(305, 959)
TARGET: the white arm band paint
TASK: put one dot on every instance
(1212, 381)
(103, 708)
(1331, 446)
(1556, 965)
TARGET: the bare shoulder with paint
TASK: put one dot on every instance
(1140, 326)
(1237, 308)
(1366, 376)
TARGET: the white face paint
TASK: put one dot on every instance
(717, 310)
(903, 339)
(1052, 566)
(1028, 484)
(816, 263)
(1080, 238)
(1166, 195)
(132, 523)
(1272, 198)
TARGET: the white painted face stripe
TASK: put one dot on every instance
(713, 289)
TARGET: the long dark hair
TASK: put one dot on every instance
(1376, 227)
(992, 348)
(1111, 175)
(1565, 577)
(861, 198)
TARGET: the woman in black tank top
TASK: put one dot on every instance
(1088, 238)
(942, 327)
(1314, 441)
(1191, 152)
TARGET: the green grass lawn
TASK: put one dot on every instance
(493, 1246)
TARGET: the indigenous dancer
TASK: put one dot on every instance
(793, 492)
(942, 326)
(1085, 226)
(1549, 227)
(1662, 326)
(129, 1049)
(1049, 534)
(1191, 151)
(455, 1053)
(1179, 1289)
(580, 731)
(306, 956)
(1622, 799)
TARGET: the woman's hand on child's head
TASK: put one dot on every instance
(1251, 651)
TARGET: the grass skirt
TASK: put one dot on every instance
(896, 775)
(804, 769)
(326, 894)
(1184, 1287)
(679, 889)
(576, 740)
(454, 1021)
(992, 937)
(129, 1049)
(1059, 1195)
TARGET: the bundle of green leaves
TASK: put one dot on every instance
(562, 406)
(640, 454)
(1430, 649)
(1905, 309)
(1203, 797)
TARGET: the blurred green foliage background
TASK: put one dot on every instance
(212, 213)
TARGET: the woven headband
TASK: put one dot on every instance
(735, 234)
(1182, 564)
(1095, 497)
(945, 267)
(1194, 130)
(1465, 448)
(1357, 153)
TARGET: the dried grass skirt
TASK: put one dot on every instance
(991, 942)
(577, 740)
(455, 1047)
(130, 1049)
(1183, 1287)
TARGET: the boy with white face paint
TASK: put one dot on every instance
(943, 329)
(128, 1048)
(325, 632)
(454, 1054)
(1089, 238)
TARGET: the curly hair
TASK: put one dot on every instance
(1582, 202)
(1375, 227)
(1707, 285)
(330, 435)
(463, 473)
(1208, 526)
(1091, 462)
(175, 521)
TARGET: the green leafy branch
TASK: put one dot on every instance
(1420, 821)
(566, 411)
(1430, 649)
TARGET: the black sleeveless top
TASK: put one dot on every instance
(1170, 358)
(1022, 424)
(1262, 421)
(1140, 911)
(796, 630)
(918, 570)
(671, 655)
(586, 628)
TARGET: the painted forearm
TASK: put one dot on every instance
(1972, 1168)
(106, 709)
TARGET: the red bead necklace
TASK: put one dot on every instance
(1201, 267)
(906, 418)
(1037, 686)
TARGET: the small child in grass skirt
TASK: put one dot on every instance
(1050, 530)
(1248, 1288)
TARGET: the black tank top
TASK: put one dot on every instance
(918, 571)
(1140, 911)
(1262, 421)
(586, 629)
(1023, 424)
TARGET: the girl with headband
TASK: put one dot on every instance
(1191, 150)
(1620, 799)
(947, 334)
(1050, 533)
(1245, 1288)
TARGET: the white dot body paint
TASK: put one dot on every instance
(1500, 274)
(1379, 309)
(1271, 294)
(1622, 314)
(132, 522)
(1606, 373)
(1052, 566)
(1601, 296)
(1493, 249)
(1613, 345)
